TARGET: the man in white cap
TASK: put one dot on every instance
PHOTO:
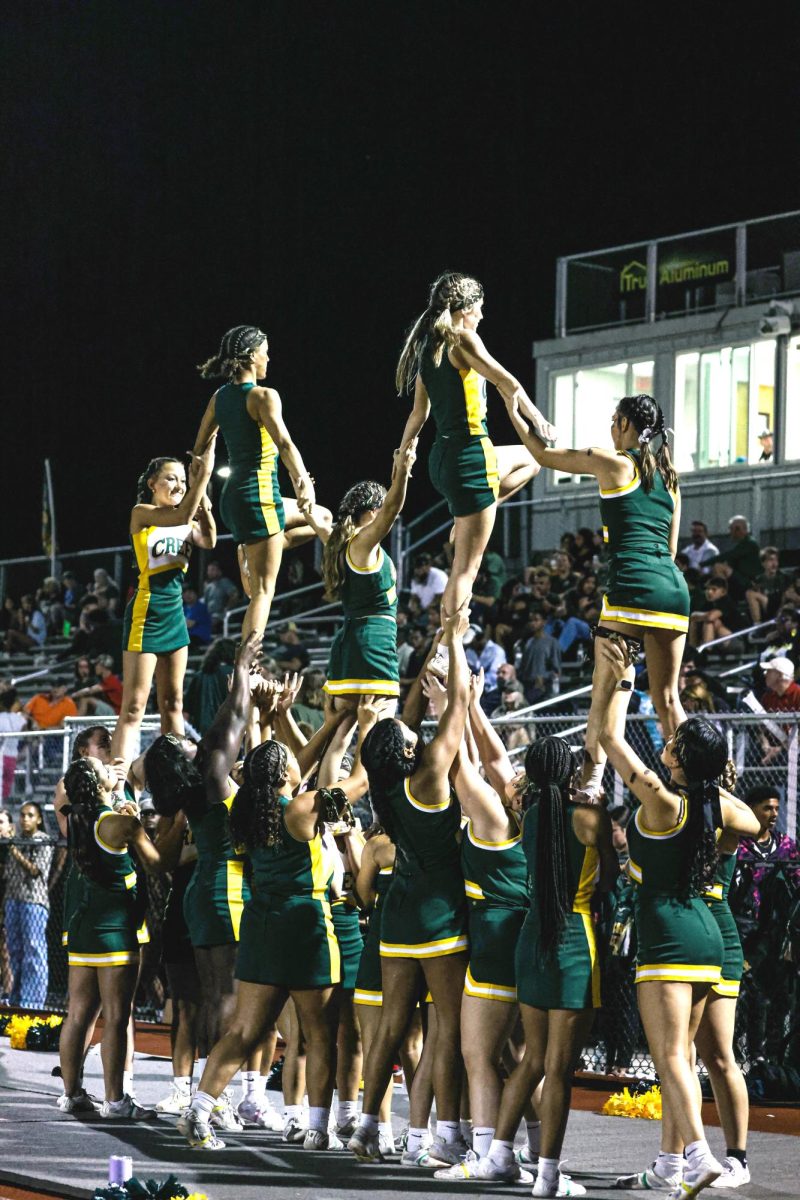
(765, 437)
(782, 694)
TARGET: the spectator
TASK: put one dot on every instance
(541, 661)
(717, 616)
(12, 721)
(494, 565)
(84, 675)
(27, 906)
(219, 593)
(514, 734)
(10, 616)
(310, 701)
(49, 600)
(96, 634)
(742, 563)
(198, 619)
(766, 439)
(562, 578)
(427, 581)
(792, 594)
(512, 623)
(698, 697)
(584, 549)
(208, 687)
(33, 629)
(104, 588)
(507, 677)
(48, 708)
(416, 659)
(72, 596)
(785, 641)
(700, 549)
(103, 698)
(782, 693)
(290, 653)
(6, 833)
(482, 652)
(764, 597)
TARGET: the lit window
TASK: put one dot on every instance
(584, 401)
(792, 448)
(723, 400)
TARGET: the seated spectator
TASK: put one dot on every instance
(103, 698)
(84, 673)
(698, 697)
(587, 599)
(50, 603)
(415, 661)
(512, 700)
(427, 581)
(10, 615)
(48, 708)
(12, 720)
(507, 677)
(682, 563)
(785, 640)
(540, 667)
(33, 629)
(494, 565)
(96, 634)
(562, 575)
(482, 652)
(765, 594)
(290, 653)
(72, 593)
(208, 687)
(310, 703)
(742, 563)
(219, 594)
(700, 550)
(716, 617)
(198, 619)
(791, 596)
(782, 693)
(583, 549)
(104, 588)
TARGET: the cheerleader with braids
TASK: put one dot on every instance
(103, 934)
(251, 420)
(288, 945)
(672, 843)
(446, 363)
(423, 944)
(568, 853)
(647, 598)
(155, 639)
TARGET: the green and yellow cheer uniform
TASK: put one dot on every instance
(107, 925)
(644, 585)
(251, 504)
(716, 898)
(217, 891)
(154, 622)
(570, 978)
(73, 891)
(347, 927)
(677, 936)
(462, 464)
(369, 985)
(496, 884)
(424, 912)
(363, 657)
(288, 938)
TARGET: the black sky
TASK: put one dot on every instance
(172, 168)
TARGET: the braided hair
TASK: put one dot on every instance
(702, 752)
(362, 497)
(85, 806)
(175, 781)
(255, 815)
(144, 493)
(550, 767)
(235, 352)
(384, 759)
(433, 329)
(647, 419)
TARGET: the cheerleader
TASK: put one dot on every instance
(290, 908)
(104, 930)
(251, 419)
(447, 364)
(155, 639)
(647, 599)
(672, 861)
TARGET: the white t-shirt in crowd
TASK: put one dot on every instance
(697, 555)
(433, 586)
(11, 722)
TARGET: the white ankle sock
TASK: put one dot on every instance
(368, 1123)
(534, 1129)
(318, 1118)
(249, 1084)
(697, 1153)
(203, 1104)
(183, 1083)
(501, 1153)
(668, 1164)
(127, 1083)
(548, 1169)
(481, 1141)
(346, 1110)
(416, 1140)
(448, 1131)
(385, 1130)
(293, 1112)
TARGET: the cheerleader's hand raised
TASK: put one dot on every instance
(289, 691)
(436, 692)
(250, 649)
(404, 459)
(476, 684)
(372, 709)
(457, 625)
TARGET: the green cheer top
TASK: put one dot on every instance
(657, 858)
(212, 837)
(634, 519)
(723, 877)
(117, 868)
(290, 869)
(458, 398)
(250, 447)
(369, 591)
(426, 835)
(582, 861)
(495, 873)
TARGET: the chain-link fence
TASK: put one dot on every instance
(765, 896)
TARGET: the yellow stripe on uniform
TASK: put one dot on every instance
(374, 999)
(666, 833)
(265, 477)
(592, 945)
(141, 604)
(320, 877)
(488, 991)
(234, 882)
(634, 871)
(480, 842)
(727, 987)
(492, 472)
(424, 807)
(625, 490)
(369, 687)
(104, 845)
(677, 973)
(644, 616)
(364, 570)
(713, 893)
(588, 878)
(473, 890)
(130, 880)
(451, 945)
(473, 400)
(113, 958)
(143, 933)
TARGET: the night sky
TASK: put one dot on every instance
(175, 168)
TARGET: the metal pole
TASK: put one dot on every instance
(52, 507)
(652, 281)
(740, 283)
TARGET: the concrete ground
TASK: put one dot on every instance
(69, 1157)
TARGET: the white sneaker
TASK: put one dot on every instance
(126, 1109)
(419, 1158)
(294, 1131)
(526, 1156)
(198, 1132)
(386, 1146)
(223, 1115)
(366, 1146)
(649, 1181)
(315, 1139)
(447, 1154)
(563, 1186)
(264, 1116)
(79, 1103)
(347, 1128)
(734, 1174)
(174, 1104)
(693, 1182)
(473, 1167)
(439, 665)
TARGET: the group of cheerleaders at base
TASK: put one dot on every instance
(685, 982)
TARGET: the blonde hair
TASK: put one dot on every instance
(433, 329)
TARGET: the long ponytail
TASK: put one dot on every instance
(85, 806)
(385, 761)
(362, 497)
(702, 751)
(433, 329)
(255, 815)
(550, 767)
(648, 421)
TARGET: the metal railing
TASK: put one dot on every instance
(242, 609)
(732, 637)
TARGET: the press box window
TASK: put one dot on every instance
(584, 402)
